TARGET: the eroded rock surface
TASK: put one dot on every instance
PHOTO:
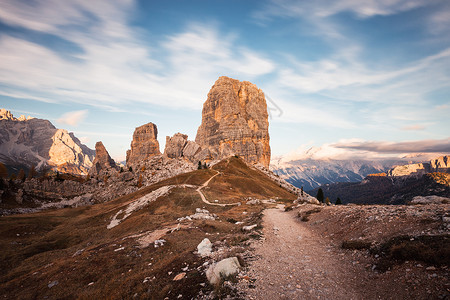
(144, 144)
(28, 141)
(235, 122)
(102, 161)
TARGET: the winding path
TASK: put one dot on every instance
(295, 263)
(199, 190)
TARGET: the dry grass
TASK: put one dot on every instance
(73, 246)
(434, 250)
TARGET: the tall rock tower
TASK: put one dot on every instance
(235, 122)
(144, 144)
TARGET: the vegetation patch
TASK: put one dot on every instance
(434, 250)
(304, 215)
(356, 244)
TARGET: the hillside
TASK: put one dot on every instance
(388, 190)
(135, 245)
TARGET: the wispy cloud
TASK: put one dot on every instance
(423, 146)
(326, 8)
(414, 127)
(73, 118)
(115, 66)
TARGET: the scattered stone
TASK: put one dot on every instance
(249, 228)
(159, 243)
(204, 248)
(53, 283)
(226, 267)
(179, 276)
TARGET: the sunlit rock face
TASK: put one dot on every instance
(28, 141)
(144, 144)
(235, 122)
(102, 162)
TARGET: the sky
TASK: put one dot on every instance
(352, 75)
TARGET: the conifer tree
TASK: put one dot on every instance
(319, 195)
(21, 175)
(3, 171)
(32, 173)
(338, 201)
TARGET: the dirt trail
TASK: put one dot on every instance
(199, 190)
(295, 263)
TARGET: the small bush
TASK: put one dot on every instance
(304, 216)
(356, 245)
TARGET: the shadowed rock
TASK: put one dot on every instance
(102, 161)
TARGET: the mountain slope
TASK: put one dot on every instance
(28, 141)
(312, 173)
(135, 244)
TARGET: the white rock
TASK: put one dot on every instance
(250, 227)
(204, 248)
(223, 268)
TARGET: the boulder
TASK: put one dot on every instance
(222, 269)
(204, 248)
(235, 122)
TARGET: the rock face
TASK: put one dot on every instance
(235, 122)
(440, 164)
(175, 145)
(144, 144)
(27, 141)
(102, 161)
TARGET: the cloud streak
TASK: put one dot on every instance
(423, 146)
(115, 67)
(73, 118)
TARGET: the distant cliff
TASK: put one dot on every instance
(29, 141)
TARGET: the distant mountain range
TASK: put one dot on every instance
(27, 141)
(315, 166)
(398, 186)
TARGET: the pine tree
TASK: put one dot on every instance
(32, 173)
(338, 201)
(3, 171)
(139, 184)
(320, 195)
(199, 165)
(327, 201)
(21, 175)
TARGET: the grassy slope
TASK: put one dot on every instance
(41, 248)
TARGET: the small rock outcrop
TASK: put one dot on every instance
(102, 162)
(235, 122)
(175, 145)
(144, 144)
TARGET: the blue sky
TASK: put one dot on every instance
(348, 74)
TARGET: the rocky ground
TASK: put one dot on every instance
(340, 252)
(38, 194)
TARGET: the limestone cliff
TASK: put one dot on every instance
(28, 141)
(235, 122)
(102, 162)
(144, 144)
(440, 164)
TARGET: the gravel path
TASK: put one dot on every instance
(295, 263)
